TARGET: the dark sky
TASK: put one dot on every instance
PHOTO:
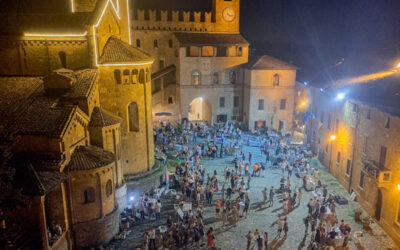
(313, 34)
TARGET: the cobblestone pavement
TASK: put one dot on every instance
(262, 218)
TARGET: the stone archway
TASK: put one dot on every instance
(199, 110)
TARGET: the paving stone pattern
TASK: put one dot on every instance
(262, 218)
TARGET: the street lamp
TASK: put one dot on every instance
(340, 96)
(333, 137)
(303, 104)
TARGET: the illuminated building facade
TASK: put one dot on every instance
(356, 137)
(200, 65)
(80, 34)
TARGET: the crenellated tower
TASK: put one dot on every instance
(226, 15)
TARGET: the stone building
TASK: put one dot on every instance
(356, 137)
(79, 97)
(71, 148)
(269, 91)
(37, 37)
(199, 69)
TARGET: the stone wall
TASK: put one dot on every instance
(137, 146)
(360, 131)
(39, 56)
(260, 86)
(96, 232)
(120, 197)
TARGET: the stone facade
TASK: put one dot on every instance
(208, 55)
(269, 94)
(364, 154)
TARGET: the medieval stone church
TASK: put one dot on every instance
(79, 97)
(80, 87)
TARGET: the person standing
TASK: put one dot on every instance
(285, 227)
(299, 196)
(250, 158)
(224, 217)
(246, 206)
(280, 226)
(248, 238)
(217, 208)
(264, 193)
(266, 240)
(210, 239)
(271, 196)
(290, 171)
(248, 181)
(306, 224)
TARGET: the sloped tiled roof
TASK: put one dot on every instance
(14, 91)
(38, 182)
(199, 39)
(116, 51)
(41, 117)
(83, 83)
(101, 118)
(269, 63)
(89, 157)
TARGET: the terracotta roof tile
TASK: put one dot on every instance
(84, 80)
(14, 92)
(89, 157)
(269, 63)
(101, 118)
(116, 51)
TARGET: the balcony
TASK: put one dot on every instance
(370, 167)
(382, 176)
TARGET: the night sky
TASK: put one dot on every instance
(313, 34)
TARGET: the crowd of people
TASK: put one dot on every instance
(195, 187)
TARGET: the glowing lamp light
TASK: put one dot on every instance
(201, 99)
(398, 66)
(340, 96)
(303, 104)
(321, 89)
(131, 198)
(305, 83)
(332, 137)
(398, 187)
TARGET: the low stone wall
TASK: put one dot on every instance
(120, 197)
(96, 232)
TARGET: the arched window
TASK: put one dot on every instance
(141, 76)
(63, 59)
(134, 76)
(276, 80)
(240, 51)
(196, 78)
(108, 188)
(215, 78)
(156, 43)
(117, 76)
(133, 112)
(138, 43)
(147, 75)
(125, 76)
(88, 195)
(232, 77)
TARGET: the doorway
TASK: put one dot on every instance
(378, 209)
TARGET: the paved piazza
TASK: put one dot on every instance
(261, 218)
